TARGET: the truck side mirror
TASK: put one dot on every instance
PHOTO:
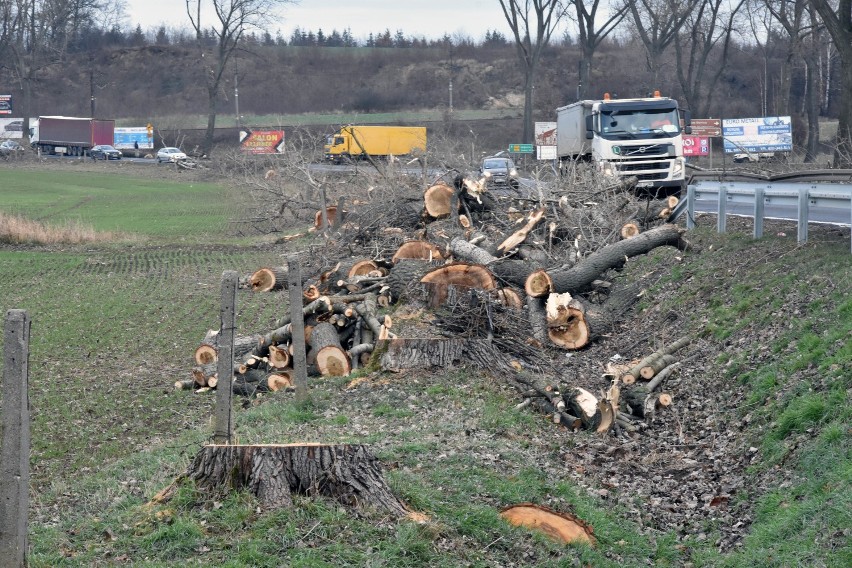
(589, 127)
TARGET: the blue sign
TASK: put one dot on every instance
(765, 134)
(128, 138)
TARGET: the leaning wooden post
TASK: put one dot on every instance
(223, 423)
(297, 326)
(15, 452)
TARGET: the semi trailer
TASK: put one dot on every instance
(640, 137)
(70, 135)
(358, 142)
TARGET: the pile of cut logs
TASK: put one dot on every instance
(544, 260)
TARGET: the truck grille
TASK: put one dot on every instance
(640, 151)
(644, 166)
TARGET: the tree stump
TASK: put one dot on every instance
(348, 473)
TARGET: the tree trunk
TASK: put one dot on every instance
(579, 277)
(273, 473)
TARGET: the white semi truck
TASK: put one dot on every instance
(642, 138)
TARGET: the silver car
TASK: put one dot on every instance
(499, 172)
(170, 154)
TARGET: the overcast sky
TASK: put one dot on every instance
(418, 18)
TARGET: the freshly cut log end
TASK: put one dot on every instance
(205, 354)
(538, 284)
(362, 268)
(332, 361)
(566, 322)
(629, 230)
(437, 200)
(664, 399)
(510, 298)
(279, 357)
(331, 215)
(279, 381)
(273, 473)
(563, 527)
(419, 250)
(268, 279)
(461, 275)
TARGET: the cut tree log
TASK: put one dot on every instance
(331, 358)
(437, 200)
(425, 353)
(279, 357)
(268, 279)
(636, 370)
(348, 473)
(520, 235)
(331, 215)
(641, 402)
(566, 322)
(656, 364)
(459, 275)
(578, 277)
(629, 230)
(563, 527)
(405, 276)
(421, 250)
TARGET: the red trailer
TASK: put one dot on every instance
(70, 135)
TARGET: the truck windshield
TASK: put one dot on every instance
(644, 123)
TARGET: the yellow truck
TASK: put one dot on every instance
(358, 142)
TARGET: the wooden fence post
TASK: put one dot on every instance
(15, 452)
(223, 423)
(297, 324)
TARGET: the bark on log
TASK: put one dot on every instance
(538, 319)
(405, 276)
(269, 279)
(419, 353)
(579, 277)
(331, 358)
(641, 402)
(635, 370)
(348, 473)
(656, 364)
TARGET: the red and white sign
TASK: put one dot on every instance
(696, 145)
(262, 141)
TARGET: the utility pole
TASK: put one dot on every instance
(236, 89)
(92, 86)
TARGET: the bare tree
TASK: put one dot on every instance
(838, 22)
(532, 32)
(217, 42)
(590, 36)
(658, 23)
(708, 32)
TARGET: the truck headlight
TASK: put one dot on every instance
(677, 167)
(606, 169)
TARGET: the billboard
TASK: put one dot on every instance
(696, 145)
(5, 105)
(126, 138)
(262, 141)
(11, 127)
(545, 134)
(767, 134)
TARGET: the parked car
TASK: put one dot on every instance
(104, 152)
(9, 148)
(14, 126)
(499, 171)
(170, 154)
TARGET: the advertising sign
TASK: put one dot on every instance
(545, 134)
(11, 127)
(5, 105)
(696, 145)
(706, 127)
(767, 134)
(262, 141)
(545, 152)
(126, 138)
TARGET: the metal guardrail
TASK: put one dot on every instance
(804, 201)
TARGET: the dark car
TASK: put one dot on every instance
(14, 126)
(10, 148)
(104, 152)
(499, 172)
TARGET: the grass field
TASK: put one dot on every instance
(114, 325)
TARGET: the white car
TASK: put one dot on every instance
(170, 154)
